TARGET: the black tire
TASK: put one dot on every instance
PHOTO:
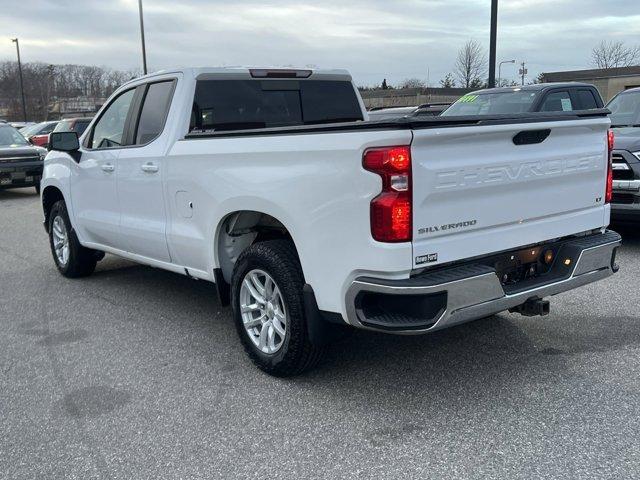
(81, 261)
(279, 259)
(37, 187)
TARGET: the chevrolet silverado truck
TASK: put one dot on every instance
(20, 162)
(274, 185)
(625, 122)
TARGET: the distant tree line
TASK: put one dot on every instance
(45, 83)
(471, 66)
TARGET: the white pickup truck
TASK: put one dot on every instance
(274, 185)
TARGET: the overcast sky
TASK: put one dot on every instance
(374, 39)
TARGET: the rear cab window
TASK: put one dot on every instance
(221, 105)
(557, 102)
(587, 99)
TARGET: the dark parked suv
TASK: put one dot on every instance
(20, 162)
(541, 97)
(625, 120)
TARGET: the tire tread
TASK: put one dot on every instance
(82, 260)
(281, 255)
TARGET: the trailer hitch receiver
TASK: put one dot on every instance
(532, 308)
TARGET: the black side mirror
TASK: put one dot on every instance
(64, 141)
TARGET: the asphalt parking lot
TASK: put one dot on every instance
(137, 373)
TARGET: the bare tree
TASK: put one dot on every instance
(448, 81)
(506, 82)
(612, 54)
(471, 64)
(44, 83)
(412, 83)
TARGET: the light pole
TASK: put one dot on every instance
(500, 69)
(523, 71)
(24, 104)
(144, 50)
(492, 43)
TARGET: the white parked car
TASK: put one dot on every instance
(272, 184)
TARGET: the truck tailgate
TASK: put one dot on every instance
(479, 189)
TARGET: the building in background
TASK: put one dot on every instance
(608, 81)
(74, 107)
(410, 97)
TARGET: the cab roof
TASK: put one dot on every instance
(536, 87)
(242, 72)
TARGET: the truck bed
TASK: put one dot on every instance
(410, 123)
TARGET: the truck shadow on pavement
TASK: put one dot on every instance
(630, 234)
(503, 351)
(17, 194)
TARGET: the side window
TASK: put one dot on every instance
(109, 130)
(47, 129)
(154, 111)
(557, 102)
(587, 99)
(80, 126)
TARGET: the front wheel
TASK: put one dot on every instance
(72, 259)
(268, 309)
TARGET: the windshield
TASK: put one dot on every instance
(26, 131)
(78, 126)
(10, 137)
(492, 103)
(63, 126)
(625, 110)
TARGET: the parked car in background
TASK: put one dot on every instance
(270, 184)
(390, 113)
(20, 162)
(38, 134)
(21, 125)
(78, 125)
(430, 109)
(625, 121)
(541, 97)
(424, 110)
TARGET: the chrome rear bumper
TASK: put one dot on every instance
(474, 291)
(627, 186)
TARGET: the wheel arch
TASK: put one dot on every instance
(50, 195)
(240, 229)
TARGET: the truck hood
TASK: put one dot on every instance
(22, 151)
(627, 138)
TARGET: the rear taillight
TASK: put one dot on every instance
(609, 190)
(391, 210)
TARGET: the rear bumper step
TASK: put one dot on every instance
(458, 294)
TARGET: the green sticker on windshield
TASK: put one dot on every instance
(468, 99)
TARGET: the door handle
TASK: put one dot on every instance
(149, 168)
(107, 167)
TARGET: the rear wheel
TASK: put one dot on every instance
(72, 259)
(269, 311)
